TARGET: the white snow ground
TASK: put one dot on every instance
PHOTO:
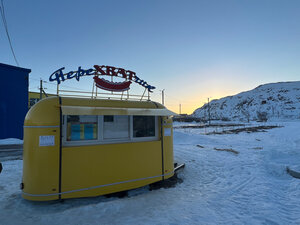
(11, 141)
(219, 187)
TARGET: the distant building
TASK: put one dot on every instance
(13, 100)
(34, 97)
(186, 118)
(183, 115)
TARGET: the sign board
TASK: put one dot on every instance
(167, 132)
(129, 76)
(48, 140)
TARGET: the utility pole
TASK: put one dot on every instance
(41, 89)
(179, 108)
(163, 97)
(208, 108)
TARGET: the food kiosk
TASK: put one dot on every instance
(82, 147)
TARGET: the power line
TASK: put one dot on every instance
(6, 29)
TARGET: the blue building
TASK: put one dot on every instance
(13, 100)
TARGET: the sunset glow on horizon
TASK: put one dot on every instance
(194, 50)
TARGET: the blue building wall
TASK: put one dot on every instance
(13, 100)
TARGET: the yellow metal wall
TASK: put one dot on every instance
(41, 163)
(168, 147)
(85, 167)
(90, 166)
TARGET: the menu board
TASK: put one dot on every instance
(89, 131)
(75, 132)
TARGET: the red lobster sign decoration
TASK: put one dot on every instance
(128, 75)
(112, 71)
(111, 86)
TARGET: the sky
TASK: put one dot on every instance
(194, 50)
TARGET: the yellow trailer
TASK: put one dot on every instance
(76, 147)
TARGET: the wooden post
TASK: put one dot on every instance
(57, 89)
(41, 89)
(208, 112)
(93, 89)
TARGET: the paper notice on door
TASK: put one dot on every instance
(167, 132)
(47, 140)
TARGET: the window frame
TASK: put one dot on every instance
(77, 142)
(116, 139)
(100, 138)
(145, 138)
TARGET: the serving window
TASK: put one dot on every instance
(116, 127)
(82, 130)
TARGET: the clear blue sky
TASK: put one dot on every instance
(192, 49)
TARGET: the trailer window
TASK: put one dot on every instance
(116, 127)
(143, 126)
(82, 128)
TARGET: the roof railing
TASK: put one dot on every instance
(100, 95)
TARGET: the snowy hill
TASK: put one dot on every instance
(273, 101)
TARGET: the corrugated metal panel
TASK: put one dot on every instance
(13, 100)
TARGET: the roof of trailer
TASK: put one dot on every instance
(87, 102)
(46, 113)
(82, 106)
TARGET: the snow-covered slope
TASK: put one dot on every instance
(275, 100)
